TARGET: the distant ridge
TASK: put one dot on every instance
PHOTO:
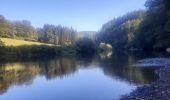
(88, 34)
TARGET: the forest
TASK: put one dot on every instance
(147, 29)
(140, 30)
(79, 50)
(52, 34)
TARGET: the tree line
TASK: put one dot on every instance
(57, 35)
(138, 30)
(120, 32)
(68, 39)
(143, 29)
(52, 34)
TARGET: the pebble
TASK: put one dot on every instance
(159, 90)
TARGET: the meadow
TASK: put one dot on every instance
(15, 42)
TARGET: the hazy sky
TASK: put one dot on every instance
(80, 14)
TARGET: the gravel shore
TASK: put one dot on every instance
(158, 90)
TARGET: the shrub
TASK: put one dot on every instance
(85, 46)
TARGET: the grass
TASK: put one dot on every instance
(23, 48)
(15, 42)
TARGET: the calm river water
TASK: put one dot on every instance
(73, 78)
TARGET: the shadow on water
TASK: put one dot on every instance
(119, 66)
(24, 71)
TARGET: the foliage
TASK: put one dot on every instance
(154, 31)
(6, 29)
(105, 47)
(57, 35)
(28, 50)
(36, 51)
(1, 43)
(140, 30)
(120, 32)
(23, 30)
(17, 29)
(85, 46)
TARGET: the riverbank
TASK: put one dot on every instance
(36, 51)
(158, 90)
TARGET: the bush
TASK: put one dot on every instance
(105, 47)
(2, 43)
(29, 50)
(37, 51)
(85, 46)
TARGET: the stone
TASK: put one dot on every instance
(168, 50)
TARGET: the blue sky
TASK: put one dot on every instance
(82, 15)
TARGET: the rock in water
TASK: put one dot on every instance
(168, 50)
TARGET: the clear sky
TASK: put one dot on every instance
(82, 15)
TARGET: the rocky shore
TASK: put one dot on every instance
(158, 90)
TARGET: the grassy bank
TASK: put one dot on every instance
(36, 50)
(22, 48)
(15, 42)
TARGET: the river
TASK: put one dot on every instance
(73, 78)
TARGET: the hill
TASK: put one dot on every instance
(88, 34)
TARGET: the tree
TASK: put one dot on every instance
(25, 30)
(52, 34)
(154, 31)
(1, 43)
(120, 32)
(85, 46)
(147, 31)
(57, 35)
(6, 29)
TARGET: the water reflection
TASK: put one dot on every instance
(117, 67)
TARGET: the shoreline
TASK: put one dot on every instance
(158, 90)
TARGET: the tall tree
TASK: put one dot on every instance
(6, 29)
(25, 30)
(57, 35)
(120, 32)
(154, 31)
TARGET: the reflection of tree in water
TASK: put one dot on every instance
(58, 67)
(85, 61)
(16, 73)
(119, 68)
(24, 73)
